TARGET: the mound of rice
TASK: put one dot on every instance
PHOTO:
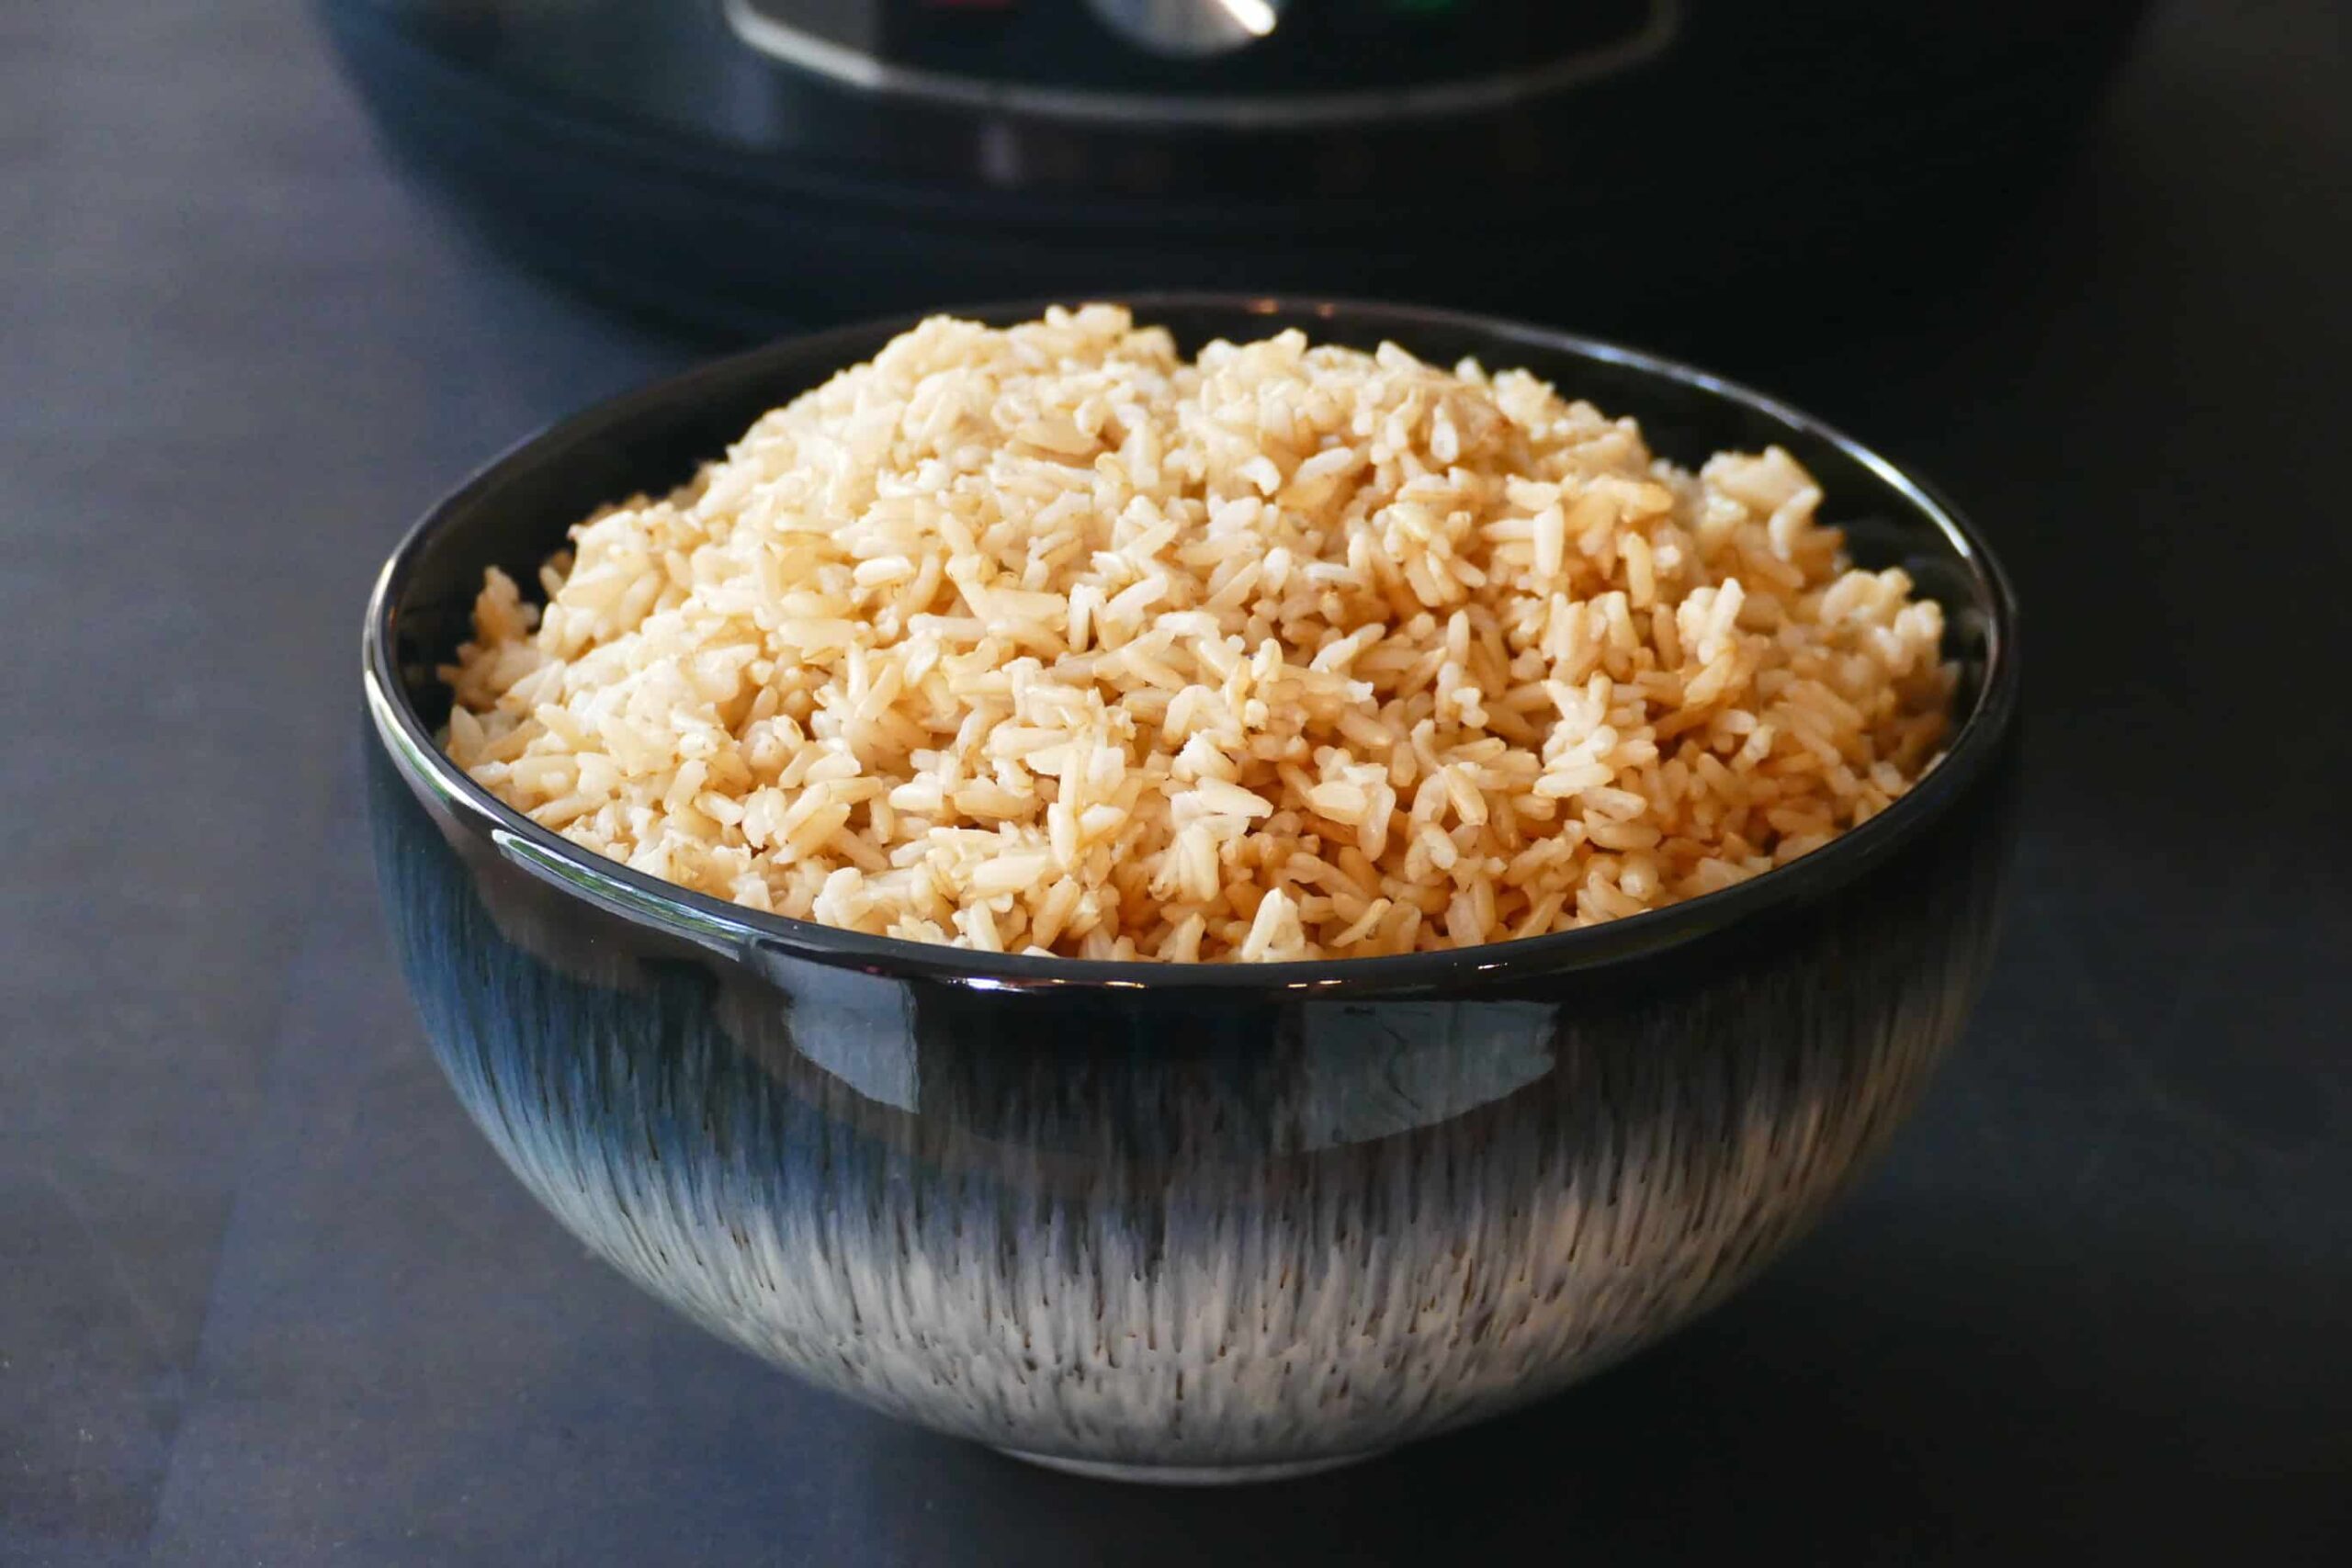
(1047, 641)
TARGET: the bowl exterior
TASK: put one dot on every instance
(1188, 1229)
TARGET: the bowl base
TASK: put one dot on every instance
(1191, 1475)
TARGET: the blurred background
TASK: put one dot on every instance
(745, 165)
(276, 276)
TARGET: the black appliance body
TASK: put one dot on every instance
(750, 165)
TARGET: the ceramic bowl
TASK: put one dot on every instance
(1172, 1222)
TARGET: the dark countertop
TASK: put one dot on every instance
(264, 1296)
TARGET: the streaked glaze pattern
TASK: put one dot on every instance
(1210, 1232)
(1181, 1230)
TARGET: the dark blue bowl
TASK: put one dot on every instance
(1173, 1222)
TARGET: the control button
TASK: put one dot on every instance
(1190, 29)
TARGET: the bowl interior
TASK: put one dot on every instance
(514, 512)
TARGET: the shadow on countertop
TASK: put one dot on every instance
(1924, 1397)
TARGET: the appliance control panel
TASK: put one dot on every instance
(1190, 29)
(1248, 61)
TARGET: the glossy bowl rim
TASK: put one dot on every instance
(738, 931)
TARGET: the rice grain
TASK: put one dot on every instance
(1047, 639)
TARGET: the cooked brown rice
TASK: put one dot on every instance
(1046, 639)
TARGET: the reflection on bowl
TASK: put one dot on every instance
(1180, 1223)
